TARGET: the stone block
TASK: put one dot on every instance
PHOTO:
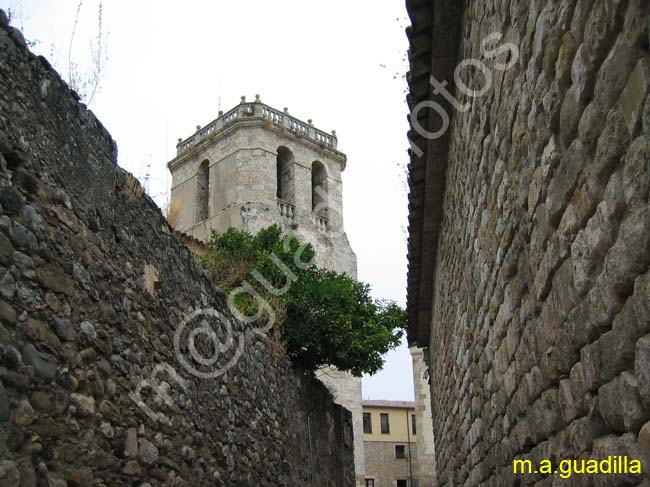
(583, 432)
(642, 369)
(619, 403)
(644, 446)
(634, 94)
(630, 255)
(565, 180)
(613, 446)
(592, 123)
(567, 404)
(612, 144)
(614, 72)
(636, 172)
(565, 59)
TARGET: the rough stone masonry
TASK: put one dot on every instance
(530, 235)
(253, 167)
(93, 286)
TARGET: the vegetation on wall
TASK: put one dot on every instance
(323, 317)
(84, 76)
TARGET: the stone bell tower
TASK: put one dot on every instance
(256, 166)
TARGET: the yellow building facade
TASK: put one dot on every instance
(390, 443)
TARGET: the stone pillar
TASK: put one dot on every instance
(426, 468)
(346, 390)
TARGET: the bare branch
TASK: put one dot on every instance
(98, 56)
(72, 70)
(87, 83)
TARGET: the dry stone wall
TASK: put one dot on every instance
(540, 337)
(93, 287)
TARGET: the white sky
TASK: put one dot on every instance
(339, 62)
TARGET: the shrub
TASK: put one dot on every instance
(323, 317)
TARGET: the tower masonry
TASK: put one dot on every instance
(255, 166)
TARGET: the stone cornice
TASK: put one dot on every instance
(257, 113)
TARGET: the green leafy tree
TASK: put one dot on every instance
(323, 317)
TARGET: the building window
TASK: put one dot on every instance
(202, 191)
(370, 482)
(400, 451)
(285, 175)
(319, 203)
(401, 483)
(385, 426)
(367, 423)
(413, 424)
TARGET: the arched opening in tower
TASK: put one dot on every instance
(202, 191)
(319, 196)
(285, 175)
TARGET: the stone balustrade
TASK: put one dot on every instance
(322, 224)
(287, 210)
(250, 111)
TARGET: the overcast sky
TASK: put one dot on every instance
(171, 65)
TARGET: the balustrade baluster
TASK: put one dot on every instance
(264, 112)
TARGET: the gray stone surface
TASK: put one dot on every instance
(78, 237)
(425, 471)
(147, 452)
(64, 329)
(538, 330)
(44, 364)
